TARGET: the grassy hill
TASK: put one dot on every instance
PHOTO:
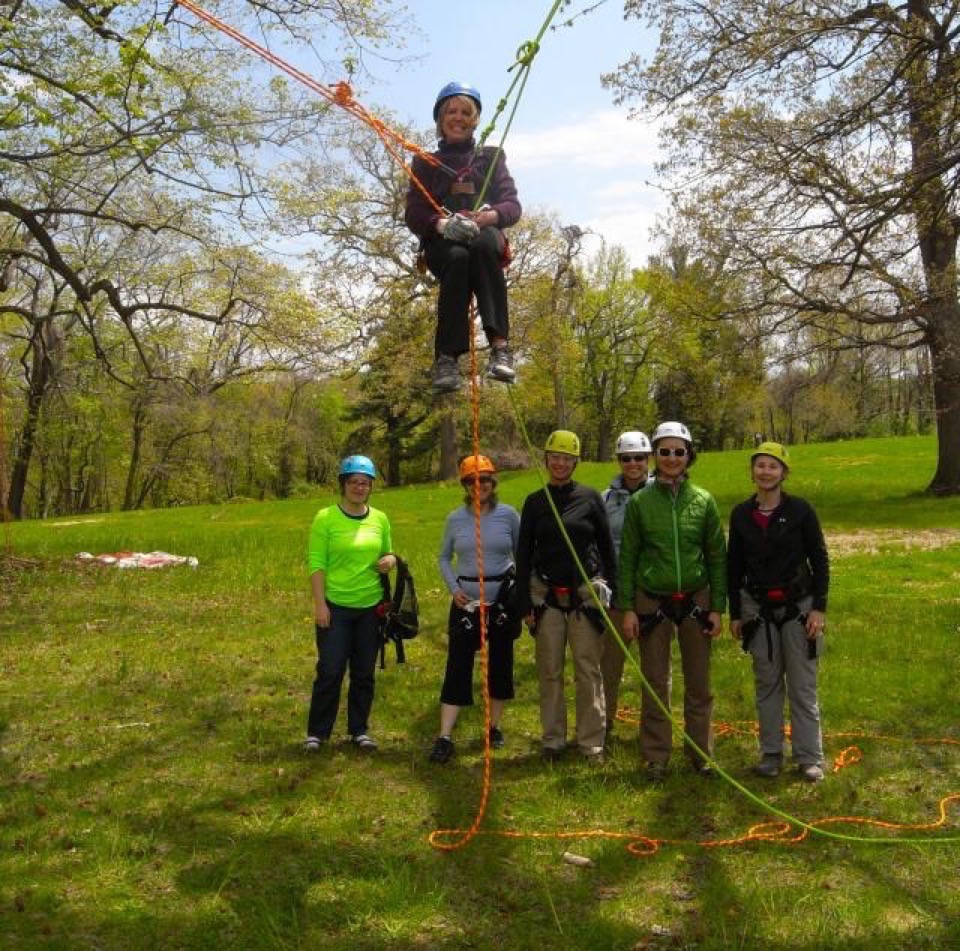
(153, 792)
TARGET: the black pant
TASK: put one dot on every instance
(457, 687)
(465, 270)
(353, 637)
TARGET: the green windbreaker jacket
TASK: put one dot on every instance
(672, 543)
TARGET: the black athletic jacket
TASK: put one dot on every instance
(792, 547)
(541, 546)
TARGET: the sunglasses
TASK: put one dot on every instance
(679, 452)
(639, 458)
(483, 480)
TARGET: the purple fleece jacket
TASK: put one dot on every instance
(463, 162)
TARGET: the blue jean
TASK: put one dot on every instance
(353, 638)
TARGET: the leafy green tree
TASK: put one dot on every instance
(618, 336)
(707, 373)
(820, 142)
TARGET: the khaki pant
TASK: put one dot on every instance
(656, 735)
(612, 659)
(554, 630)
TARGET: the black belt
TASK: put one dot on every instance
(484, 578)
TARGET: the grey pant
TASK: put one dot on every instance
(790, 674)
(554, 630)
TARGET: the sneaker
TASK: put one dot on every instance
(770, 768)
(592, 754)
(704, 770)
(442, 751)
(363, 742)
(446, 374)
(656, 772)
(812, 773)
(500, 366)
(552, 753)
(497, 740)
(312, 744)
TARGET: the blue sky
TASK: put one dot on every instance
(570, 149)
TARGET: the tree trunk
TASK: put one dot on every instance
(448, 440)
(937, 234)
(945, 361)
(136, 448)
(39, 381)
(394, 450)
(604, 435)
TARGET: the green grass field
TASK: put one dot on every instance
(153, 793)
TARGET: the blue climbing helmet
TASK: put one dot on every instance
(358, 465)
(456, 89)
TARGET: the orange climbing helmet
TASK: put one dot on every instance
(476, 465)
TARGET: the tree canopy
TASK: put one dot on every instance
(814, 147)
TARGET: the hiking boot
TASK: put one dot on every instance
(656, 773)
(446, 374)
(500, 366)
(704, 770)
(552, 754)
(497, 740)
(592, 754)
(770, 768)
(312, 744)
(363, 742)
(442, 751)
(812, 773)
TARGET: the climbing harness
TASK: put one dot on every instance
(777, 608)
(398, 612)
(677, 608)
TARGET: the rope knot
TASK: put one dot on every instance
(526, 52)
(342, 93)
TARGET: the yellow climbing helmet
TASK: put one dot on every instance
(562, 440)
(775, 449)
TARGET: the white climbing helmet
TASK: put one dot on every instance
(633, 441)
(676, 430)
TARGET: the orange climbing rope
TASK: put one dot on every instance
(464, 836)
(342, 96)
(773, 832)
(339, 94)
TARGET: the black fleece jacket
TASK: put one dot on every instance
(541, 546)
(773, 557)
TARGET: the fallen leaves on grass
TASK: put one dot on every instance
(871, 542)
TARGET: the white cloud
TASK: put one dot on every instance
(602, 140)
(628, 226)
(632, 190)
(596, 171)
